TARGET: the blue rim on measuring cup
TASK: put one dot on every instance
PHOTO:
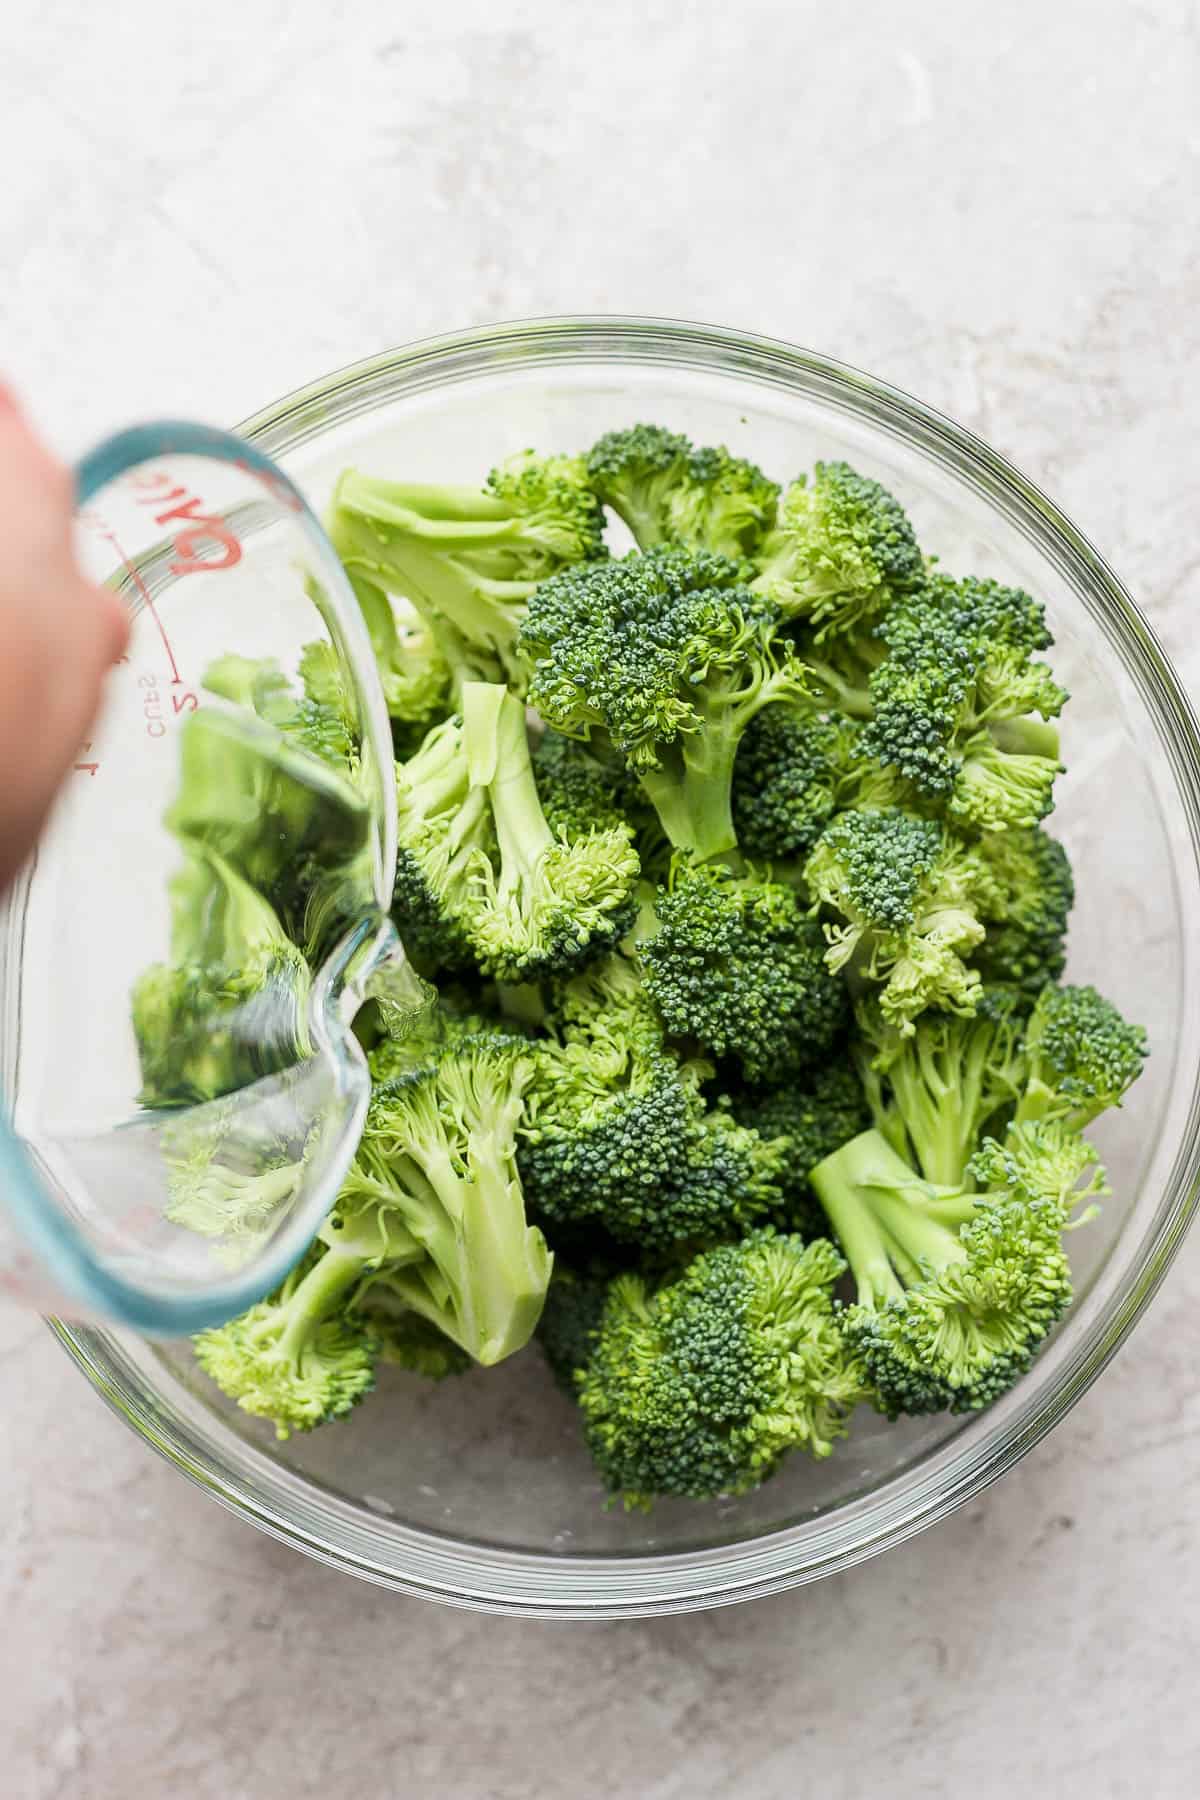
(77, 1276)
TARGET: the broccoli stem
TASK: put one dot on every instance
(693, 792)
(521, 829)
(887, 1220)
(522, 1001)
(939, 1100)
(854, 701)
(489, 1299)
(316, 1297)
(1025, 737)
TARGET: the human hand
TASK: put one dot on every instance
(59, 635)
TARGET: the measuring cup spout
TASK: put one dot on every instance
(370, 964)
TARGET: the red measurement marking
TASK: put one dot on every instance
(207, 527)
(148, 603)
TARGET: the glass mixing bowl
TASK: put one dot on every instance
(479, 1491)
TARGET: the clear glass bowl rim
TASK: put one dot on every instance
(488, 1578)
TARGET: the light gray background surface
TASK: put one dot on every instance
(203, 207)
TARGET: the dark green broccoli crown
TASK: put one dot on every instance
(616, 1137)
(1083, 1055)
(607, 1150)
(578, 793)
(865, 510)
(1027, 918)
(570, 1319)
(842, 552)
(883, 858)
(808, 1120)
(616, 644)
(738, 966)
(703, 1387)
(636, 453)
(785, 780)
(959, 665)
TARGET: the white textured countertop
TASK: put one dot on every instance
(204, 207)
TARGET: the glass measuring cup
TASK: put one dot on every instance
(176, 1208)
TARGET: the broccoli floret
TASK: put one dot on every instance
(232, 1004)
(785, 781)
(617, 1138)
(933, 1092)
(1082, 1056)
(545, 902)
(301, 1357)
(955, 1290)
(809, 1119)
(444, 824)
(669, 492)
(438, 1155)
(467, 558)
(737, 966)
(842, 552)
(1027, 913)
(954, 701)
(702, 1387)
(904, 898)
(481, 872)
(670, 659)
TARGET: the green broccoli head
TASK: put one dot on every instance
(1027, 914)
(703, 1386)
(1082, 1055)
(785, 781)
(669, 492)
(841, 554)
(566, 1332)
(955, 1290)
(542, 903)
(617, 1139)
(960, 699)
(903, 895)
(444, 823)
(670, 659)
(737, 966)
(301, 1357)
(438, 1157)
